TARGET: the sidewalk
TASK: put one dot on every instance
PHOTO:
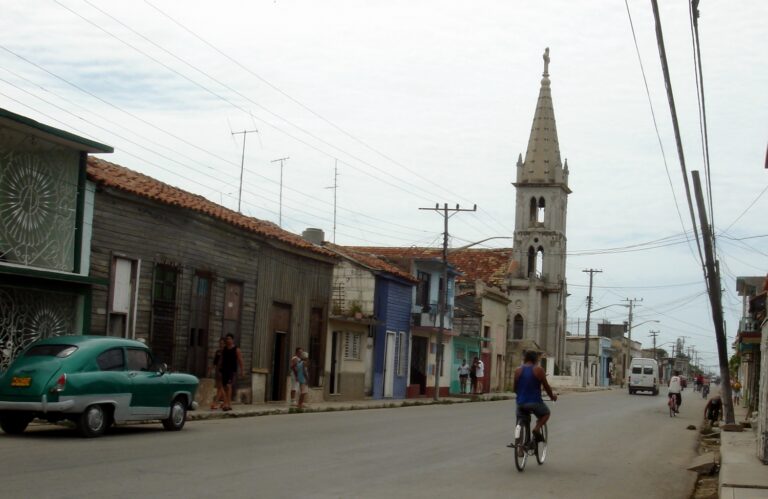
(742, 475)
(248, 410)
(273, 408)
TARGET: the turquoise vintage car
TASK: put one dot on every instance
(93, 381)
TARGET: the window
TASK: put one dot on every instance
(60, 351)
(518, 327)
(486, 331)
(111, 360)
(534, 206)
(138, 360)
(540, 211)
(352, 346)
(422, 290)
(637, 370)
(123, 295)
(647, 370)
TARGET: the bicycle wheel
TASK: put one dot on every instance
(541, 447)
(521, 447)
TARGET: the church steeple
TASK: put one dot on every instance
(542, 163)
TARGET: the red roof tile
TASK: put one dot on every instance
(371, 261)
(121, 178)
(487, 265)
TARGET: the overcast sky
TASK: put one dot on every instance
(423, 102)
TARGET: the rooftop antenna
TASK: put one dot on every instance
(335, 188)
(282, 162)
(242, 164)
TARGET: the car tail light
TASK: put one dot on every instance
(61, 383)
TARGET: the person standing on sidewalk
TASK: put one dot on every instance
(480, 373)
(231, 359)
(463, 376)
(218, 399)
(473, 377)
(294, 373)
(302, 376)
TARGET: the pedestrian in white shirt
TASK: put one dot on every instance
(463, 376)
(480, 372)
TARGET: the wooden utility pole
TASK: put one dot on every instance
(713, 284)
(654, 334)
(586, 335)
(629, 333)
(244, 133)
(443, 298)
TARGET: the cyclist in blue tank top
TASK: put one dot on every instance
(529, 379)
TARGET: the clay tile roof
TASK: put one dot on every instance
(121, 178)
(371, 261)
(487, 265)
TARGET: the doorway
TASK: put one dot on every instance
(197, 356)
(389, 365)
(281, 324)
(419, 364)
(335, 361)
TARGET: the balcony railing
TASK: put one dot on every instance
(748, 325)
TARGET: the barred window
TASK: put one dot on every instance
(351, 346)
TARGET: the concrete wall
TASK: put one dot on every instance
(353, 287)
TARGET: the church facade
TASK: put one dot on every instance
(537, 286)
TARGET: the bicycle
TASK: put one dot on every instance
(672, 402)
(526, 445)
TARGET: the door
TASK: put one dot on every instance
(419, 363)
(164, 313)
(335, 361)
(233, 299)
(150, 393)
(199, 312)
(281, 326)
(486, 358)
(316, 341)
(389, 365)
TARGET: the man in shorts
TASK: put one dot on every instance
(529, 380)
(293, 366)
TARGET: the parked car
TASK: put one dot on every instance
(643, 376)
(93, 381)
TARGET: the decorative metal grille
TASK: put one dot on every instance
(38, 196)
(27, 315)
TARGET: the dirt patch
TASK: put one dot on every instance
(707, 483)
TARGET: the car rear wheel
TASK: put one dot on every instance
(14, 423)
(177, 416)
(94, 421)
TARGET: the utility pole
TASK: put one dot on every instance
(335, 188)
(443, 298)
(586, 334)
(629, 333)
(282, 162)
(713, 287)
(242, 164)
(654, 334)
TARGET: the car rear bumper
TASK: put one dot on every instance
(42, 406)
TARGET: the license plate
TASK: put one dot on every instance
(21, 382)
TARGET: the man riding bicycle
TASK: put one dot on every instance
(675, 388)
(529, 379)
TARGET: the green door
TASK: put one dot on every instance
(149, 389)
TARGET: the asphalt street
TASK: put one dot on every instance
(602, 444)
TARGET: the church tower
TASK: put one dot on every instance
(538, 289)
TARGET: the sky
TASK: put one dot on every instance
(427, 102)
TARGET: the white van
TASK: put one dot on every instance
(643, 376)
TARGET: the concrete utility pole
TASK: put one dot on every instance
(586, 335)
(443, 298)
(244, 133)
(715, 298)
(282, 162)
(654, 334)
(629, 333)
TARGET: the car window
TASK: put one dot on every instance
(138, 360)
(637, 370)
(60, 351)
(648, 370)
(111, 360)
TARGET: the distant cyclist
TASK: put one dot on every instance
(529, 379)
(675, 388)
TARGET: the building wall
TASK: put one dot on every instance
(187, 241)
(353, 287)
(495, 317)
(351, 370)
(393, 310)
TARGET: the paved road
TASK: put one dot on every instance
(602, 444)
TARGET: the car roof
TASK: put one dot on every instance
(90, 341)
